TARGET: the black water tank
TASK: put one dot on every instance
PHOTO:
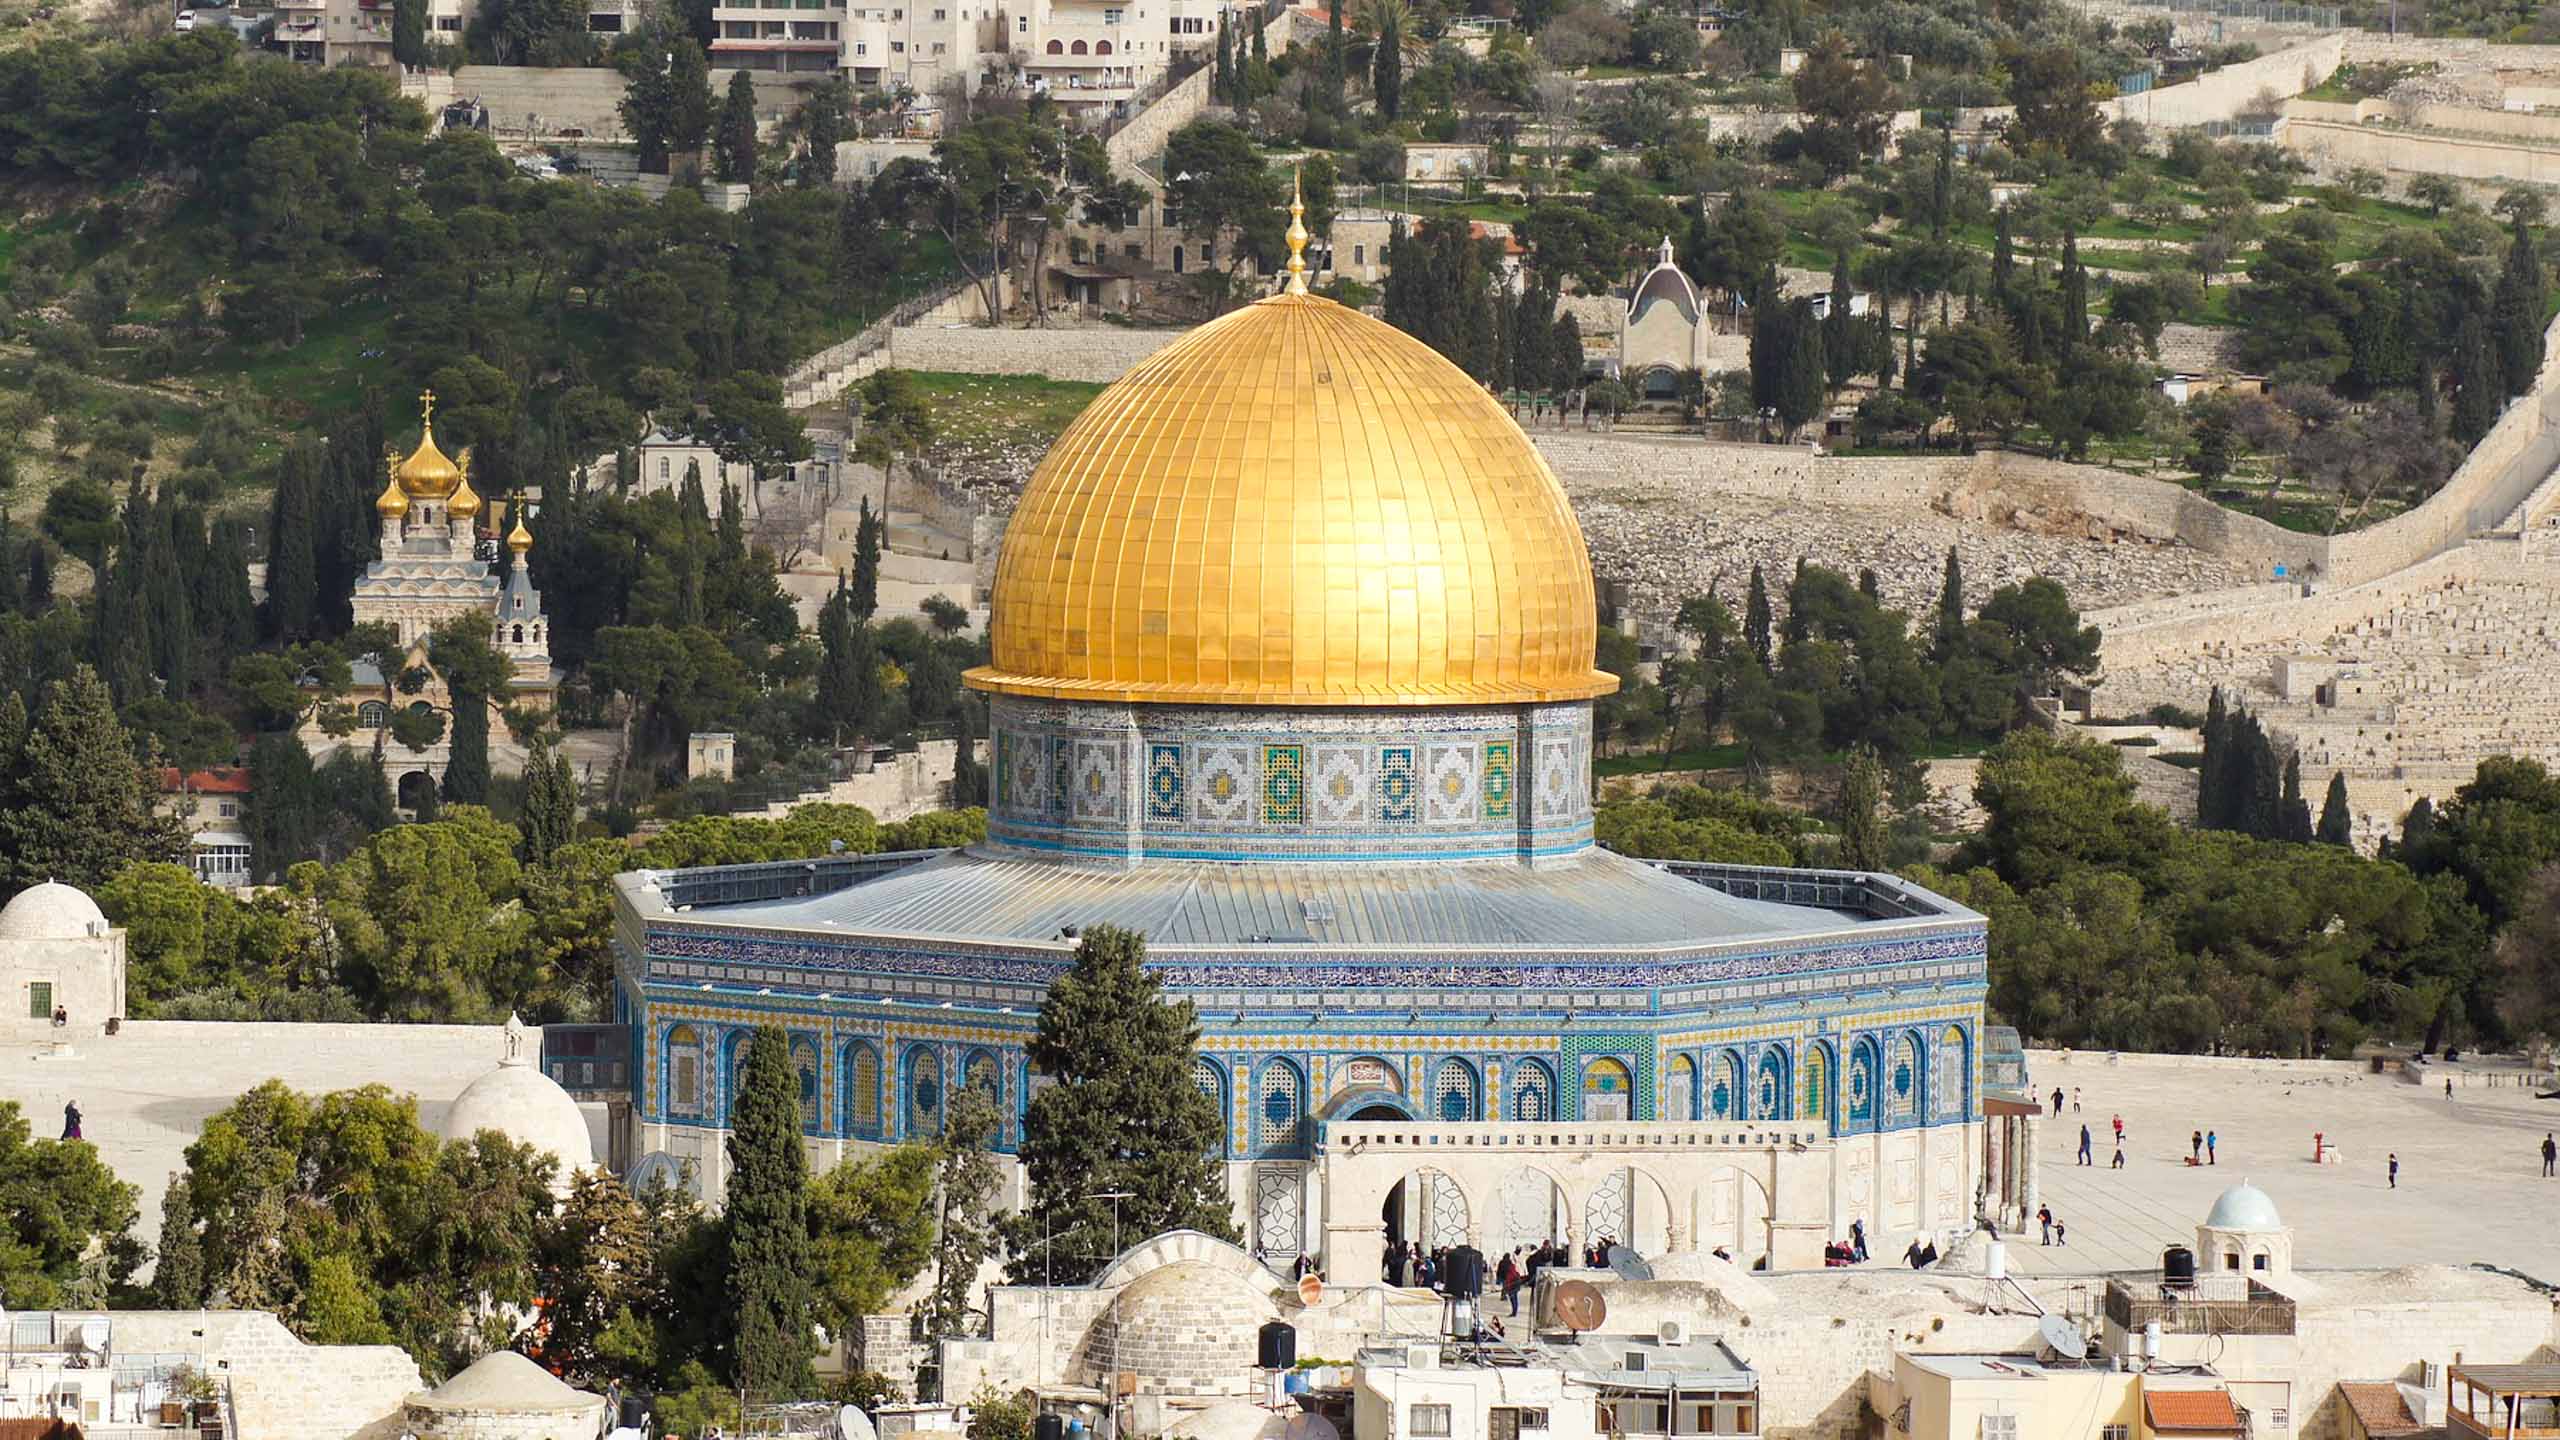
(2178, 1266)
(1049, 1427)
(1277, 1350)
(1465, 1272)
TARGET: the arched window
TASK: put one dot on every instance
(1903, 1078)
(1948, 1086)
(1681, 1095)
(733, 1068)
(862, 1091)
(979, 1072)
(1817, 1083)
(1282, 1105)
(804, 1064)
(1211, 1082)
(1076, 49)
(1724, 1088)
(684, 1071)
(1607, 1090)
(373, 715)
(1533, 1091)
(519, 635)
(1770, 1090)
(1101, 47)
(1453, 1091)
(1866, 1083)
(924, 1091)
(1057, 49)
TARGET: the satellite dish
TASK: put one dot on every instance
(660, 1168)
(1310, 1289)
(851, 1424)
(1308, 1425)
(1627, 1264)
(1578, 1306)
(91, 1337)
(2062, 1336)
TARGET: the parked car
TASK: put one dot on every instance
(186, 21)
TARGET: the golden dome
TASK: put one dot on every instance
(466, 501)
(393, 502)
(520, 539)
(1294, 505)
(427, 474)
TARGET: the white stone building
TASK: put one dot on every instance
(1664, 331)
(60, 961)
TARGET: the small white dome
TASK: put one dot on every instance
(505, 1381)
(51, 911)
(2244, 1207)
(520, 1102)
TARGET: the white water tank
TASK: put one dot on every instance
(1995, 1261)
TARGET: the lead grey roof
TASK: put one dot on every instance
(1598, 901)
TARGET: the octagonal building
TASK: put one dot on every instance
(1292, 672)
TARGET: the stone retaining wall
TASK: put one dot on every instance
(1095, 353)
(2226, 93)
(2327, 145)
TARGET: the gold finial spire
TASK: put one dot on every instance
(394, 501)
(1297, 234)
(427, 409)
(464, 502)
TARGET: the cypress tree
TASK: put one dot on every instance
(1863, 841)
(1840, 357)
(2264, 815)
(734, 143)
(968, 776)
(293, 588)
(1387, 75)
(2417, 831)
(550, 804)
(1124, 1115)
(1802, 395)
(766, 1226)
(1250, 83)
(466, 773)
(2075, 297)
(12, 593)
(1942, 184)
(39, 592)
(867, 538)
(1949, 639)
(1223, 83)
(2213, 802)
(2479, 384)
(2519, 311)
(174, 641)
(2297, 810)
(1336, 59)
(1757, 618)
(2337, 824)
(287, 807)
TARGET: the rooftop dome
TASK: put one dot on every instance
(427, 474)
(505, 1381)
(51, 911)
(520, 1102)
(1294, 504)
(2244, 1207)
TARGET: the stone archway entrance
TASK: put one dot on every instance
(417, 788)
(1427, 1210)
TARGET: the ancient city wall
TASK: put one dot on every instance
(2364, 47)
(1095, 353)
(2328, 143)
(2225, 93)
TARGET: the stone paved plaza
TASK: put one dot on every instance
(145, 1094)
(2470, 1179)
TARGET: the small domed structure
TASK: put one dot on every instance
(52, 911)
(520, 1102)
(503, 1396)
(2244, 1235)
(1185, 1330)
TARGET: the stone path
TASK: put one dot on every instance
(2470, 1183)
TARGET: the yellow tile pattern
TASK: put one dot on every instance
(1294, 504)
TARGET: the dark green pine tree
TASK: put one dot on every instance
(1387, 74)
(2004, 266)
(1942, 184)
(2337, 823)
(1840, 348)
(1261, 58)
(1947, 641)
(1757, 619)
(2479, 384)
(293, 588)
(849, 692)
(1123, 1114)
(466, 774)
(693, 518)
(1337, 59)
(226, 614)
(2075, 297)
(288, 808)
(767, 1228)
(77, 806)
(2297, 810)
(174, 641)
(2417, 833)
(550, 804)
(2518, 311)
(2264, 814)
(1864, 843)
(12, 576)
(868, 533)
(1222, 81)
(2213, 772)
(734, 142)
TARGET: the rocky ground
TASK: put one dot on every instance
(1664, 547)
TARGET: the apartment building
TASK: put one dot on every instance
(1095, 57)
(796, 37)
(358, 32)
(919, 45)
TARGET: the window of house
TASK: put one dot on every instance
(897, 47)
(40, 1007)
(1426, 1419)
(663, 463)
(1533, 1419)
(2115, 1432)
(2256, 1262)
(1999, 1427)
(1112, 17)
(229, 808)
(1021, 24)
(1359, 254)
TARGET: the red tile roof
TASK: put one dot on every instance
(2191, 1412)
(220, 780)
(2379, 1408)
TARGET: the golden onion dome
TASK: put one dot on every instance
(427, 474)
(393, 502)
(520, 539)
(1294, 504)
(465, 501)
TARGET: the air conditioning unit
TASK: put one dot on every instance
(1422, 1357)
(1674, 1332)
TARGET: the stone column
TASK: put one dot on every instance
(2029, 1192)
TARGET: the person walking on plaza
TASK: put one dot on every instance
(2448, 1087)
(2075, 1099)
(2395, 1169)
(2119, 1129)
(2061, 1234)
(2084, 1145)
(2209, 1139)
(2119, 1160)
(2057, 1099)
(2195, 1148)
(70, 1119)
(2550, 1153)
(2044, 1218)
